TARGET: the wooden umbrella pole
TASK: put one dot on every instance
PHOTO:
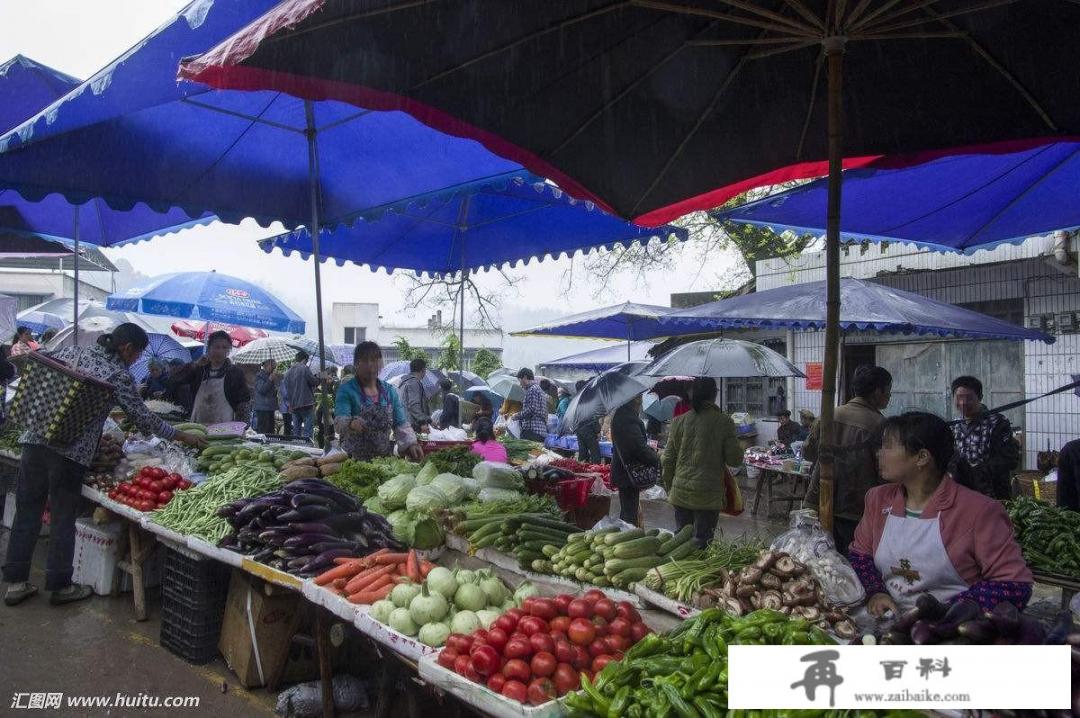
(834, 55)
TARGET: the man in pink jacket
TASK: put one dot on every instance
(922, 532)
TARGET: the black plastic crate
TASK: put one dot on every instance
(196, 582)
(196, 649)
(195, 621)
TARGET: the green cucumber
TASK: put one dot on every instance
(637, 548)
(618, 565)
(612, 539)
(677, 539)
(682, 551)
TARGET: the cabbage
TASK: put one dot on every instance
(395, 491)
(452, 486)
(426, 474)
(492, 474)
(401, 524)
(425, 532)
(426, 499)
(498, 495)
(376, 506)
(472, 487)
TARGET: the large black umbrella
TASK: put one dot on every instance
(603, 394)
(654, 108)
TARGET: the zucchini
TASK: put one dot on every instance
(541, 566)
(618, 565)
(612, 539)
(534, 546)
(549, 550)
(531, 534)
(637, 548)
(629, 576)
(677, 539)
(536, 520)
(602, 582)
(582, 574)
(682, 551)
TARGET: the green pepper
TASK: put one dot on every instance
(713, 678)
(706, 709)
(773, 631)
(618, 705)
(662, 665)
(682, 708)
(796, 638)
(691, 686)
(647, 646)
(602, 704)
(635, 711)
(747, 633)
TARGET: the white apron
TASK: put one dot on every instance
(211, 406)
(912, 560)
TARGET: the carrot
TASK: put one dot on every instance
(362, 576)
(425, 568)
(344, 570)
(361, 582)
(391, 558)
(412, 566)
(371, 596)
(339, 583)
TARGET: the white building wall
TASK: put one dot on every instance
(353, 314)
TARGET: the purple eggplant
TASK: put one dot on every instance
(299, 500)
(306, 539)
(922, 633)
(1006, 619)
(310, 527)
(930, 608)
(1061, 628)
(307, 513)
(1031, 632)
(960, 612)
(979, 630)
(325, 559)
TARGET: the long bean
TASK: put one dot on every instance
(194, 511)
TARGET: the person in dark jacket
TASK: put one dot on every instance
(630, 447)
(266, 397)
(986, 452)
(788, 432)
(7, 373)
(588, 436)
(1068, 483)
(178, 392)
(219, 387)
(451, 405)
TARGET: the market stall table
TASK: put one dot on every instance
(771, 473)
(1069, 586)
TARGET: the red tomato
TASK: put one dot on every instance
(601, 626)
(598, 648)
(485, 660)
(543, 664)
(542, 608)
(156, 486)
(184, 484)
(515, 691)
(460, 664)
(156, 472)
(582, 632)
(447, 658)
(616, 643)
(599, 662)
(605, 608)
(562, 602)
(580, 608)
(517, 648)
(174, 478)
(460, 643)
(479, 636)
(147, 506)
(542, 642)
(566, 678)
(540, 691)
(564, 651)
(496, 682)
(519, 636)
(626, 610)
(638, 631)
(559, 636)
(533, 624)
(517, 670)
(594, 595)
(582, 659)
(164, 497)
(517, 613)
(507, 623)
(497, 637)
(560, 623)
(145, 471)
(619, 627)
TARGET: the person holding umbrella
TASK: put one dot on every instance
(23, 342)
(630, 447)
(588, 436)
(218, 386)
(53, 473)
(700, 447)
(266, 397)
(367, 409)
(298, 386)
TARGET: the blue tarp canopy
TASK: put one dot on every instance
(26, 87)
(133, 134)
(601, 359)
(209, 296)
(958, 203)
(627, 321)
(480, 227)
(864, 306)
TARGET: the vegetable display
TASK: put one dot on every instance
(1047, 536)
(110, 451)
(359, 478)
(302, 527)
(685, 672)
(685, 579)
(457, 460)
(525, 504)
(963, 623)
(375, 577)
(150, 489)
(442, 603)
(519, 450)
(531, 538)
(194, 511)
(548, 647)
(220, 457)
(613, 558)
(578, 467)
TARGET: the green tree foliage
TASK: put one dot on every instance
(450, 356)
(485, 362)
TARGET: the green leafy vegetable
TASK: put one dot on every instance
(457, 460)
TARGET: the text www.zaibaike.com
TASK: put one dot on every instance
(921, 696)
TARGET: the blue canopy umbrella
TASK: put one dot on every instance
(473, 393)
(602, 359)
(865, 306)
(209, 296)
(162, 348)
(629, 321)
(397, 370)
(132, 134)
(968, 201)
(27, 86)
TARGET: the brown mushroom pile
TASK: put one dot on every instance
(779, 582)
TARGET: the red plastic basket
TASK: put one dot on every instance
(430, 447)
(573, 493)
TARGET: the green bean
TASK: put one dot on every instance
(194, 511)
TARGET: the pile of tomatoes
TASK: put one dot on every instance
(150, 489)
(539, 652)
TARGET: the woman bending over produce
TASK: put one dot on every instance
(367, 409)
(485, 446)
(54, 472)
(922, 532)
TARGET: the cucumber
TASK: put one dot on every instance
(622, 536)
(582, 574)
(550, 550)
(682, 551)
(677, 539)
(637, 548)
(535, 520)
(629, 576)
(602, 582)
(618, 565)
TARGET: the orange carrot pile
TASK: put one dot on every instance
(371, 578)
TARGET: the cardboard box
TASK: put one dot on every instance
(255, 631)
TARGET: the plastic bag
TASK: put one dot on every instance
(304, 700)
(809, 544)
(453, 433)
(613, 521)
(495, 475)
(655, 493)
(493, 494)
(513, 428)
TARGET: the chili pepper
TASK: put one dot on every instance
(619, 703)
(635, 711)
(797, 638)
(773, 631)
(706, 709)
(691, 686)
(747, 633)
(647, 646)
(682, 708)
(661, 665)
(601, 704)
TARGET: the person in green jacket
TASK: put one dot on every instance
(700, 446)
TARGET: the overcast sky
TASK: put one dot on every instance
(80, 36)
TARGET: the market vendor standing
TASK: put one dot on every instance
(534, 408)
(367, 410)
(922, 532)
(219, 386)
(53, 473)
(984, 442)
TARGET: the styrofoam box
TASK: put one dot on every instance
(480, 697)
(9, 514)
(97, 549)
(397, 642)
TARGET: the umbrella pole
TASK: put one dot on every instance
(834, 56)
(461, 347)
(75, 292)
(313, 182)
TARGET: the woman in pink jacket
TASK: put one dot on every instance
(924, 533)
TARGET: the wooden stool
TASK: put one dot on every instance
(138, 547)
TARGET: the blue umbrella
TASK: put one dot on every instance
(209, 296)
(602, 359)
(396, 371)
(865, 306)
(661, 409)
(161, 347)
(963, 202)
(474, 392)
(27, 86)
